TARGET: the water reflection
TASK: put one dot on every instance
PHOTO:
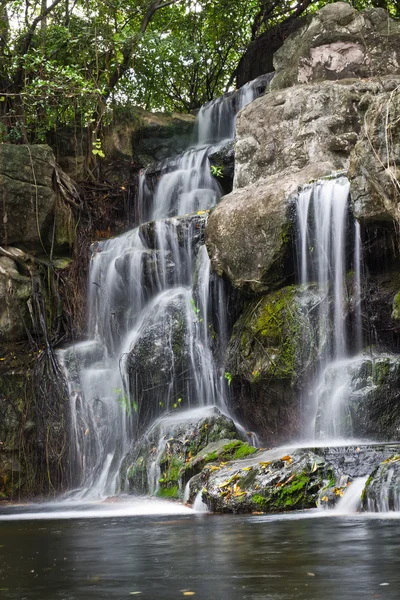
(216, 557)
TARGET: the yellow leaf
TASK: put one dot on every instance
(213, 468)
(87, 431)
(247, 468)
(265, 464)
(325, 499)
(189, 593)
(286, 457)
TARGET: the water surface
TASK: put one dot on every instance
(165, 556)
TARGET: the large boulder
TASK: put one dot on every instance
(339, 42)
(267, 482)
(162, 359)
(272, 348)
(15, 295)
(374, 170)
(369, 398)
(169, 451)
(301, 125)
(30, 188)
(248, 234)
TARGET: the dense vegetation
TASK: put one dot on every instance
(69, 61)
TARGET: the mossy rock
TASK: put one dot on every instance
(216, 452)
(169, 446)
(292, 482)
(396, 307)
(272, 349)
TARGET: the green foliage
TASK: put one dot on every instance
(216, 171)
(70, 65)
(125, 402)
(228, 376)
(168, 492)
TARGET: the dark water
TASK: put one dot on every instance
(216, 557)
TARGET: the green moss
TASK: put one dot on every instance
(293, 494)
(168, 492)
(276, 324)
(259, 500)
(396, 307)
(236, 450)
(381, 371)
(210, 457)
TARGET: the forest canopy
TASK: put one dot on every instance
(65, 62)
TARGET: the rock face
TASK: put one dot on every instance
(338, 42)
(299, 126)
(374, 170)
(160, 461)
(15, 294)
(31, 199)
(332, 106)
(248, 234)
(271, 350)
(285, 479)
(370, 391)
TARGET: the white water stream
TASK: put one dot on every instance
(155, 313)
(326, 251)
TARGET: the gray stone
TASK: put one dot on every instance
(248, 233)
(338, 42)
(273, 347)
(374, 170)
(15, 295)
(31, 199)
(301, 125)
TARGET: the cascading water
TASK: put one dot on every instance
(325, 252)
(154, 313)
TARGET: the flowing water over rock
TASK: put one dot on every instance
(328, 244)
(157, 315)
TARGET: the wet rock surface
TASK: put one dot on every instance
(248, 233)
(159, 461)
(285, 479)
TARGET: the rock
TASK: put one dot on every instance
(370, 394)
(382, 490)
(302, 125)
(374, 170)
(216, 452)
(224, 160)
(157, 462)
(160, 362)
(30, 189)
(267, 484)
(175, 230)
(152, 264)
(248, 233)
(272, 349)
(338, 42)
(15, 301)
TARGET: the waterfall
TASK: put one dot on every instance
(324, 243)
(351, 500)
(157, 316)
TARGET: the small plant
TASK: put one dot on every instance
(217, 171)
(228, 377)
(124, 401)
(96, 150)
(195, 308)
(177, 403)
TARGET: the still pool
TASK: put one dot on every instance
(163, 551)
